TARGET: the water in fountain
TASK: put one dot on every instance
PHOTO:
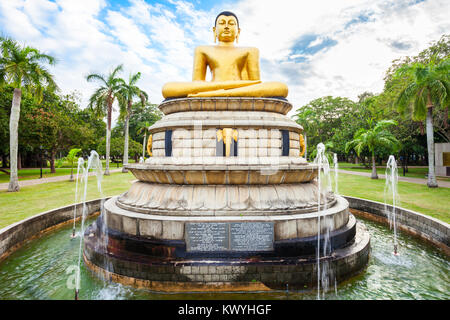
(336, 192)
(95, 165)
(81, 168)
(391, 196)
(325, 224)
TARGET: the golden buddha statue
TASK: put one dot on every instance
(235, 70)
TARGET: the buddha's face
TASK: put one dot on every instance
(226, 28)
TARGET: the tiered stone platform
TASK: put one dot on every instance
(198, 220)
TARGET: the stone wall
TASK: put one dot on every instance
(232, 275)
(13, 236)
(428, 228)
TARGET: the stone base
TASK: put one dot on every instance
(161, 267)
(171, 225)
(222, 200)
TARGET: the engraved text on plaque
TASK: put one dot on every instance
(229, 236)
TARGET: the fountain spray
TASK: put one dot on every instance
(335, 164)
(318, 159)
(324, 187)
(93, 163)
(80, 165)
(391, 189)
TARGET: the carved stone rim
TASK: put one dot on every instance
(266, 168)
(338, 204)
(277, 105)
(224, 174)
(310, 208)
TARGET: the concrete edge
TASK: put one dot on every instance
(414, 223)
(15, 235)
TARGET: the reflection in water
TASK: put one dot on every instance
(38, 271)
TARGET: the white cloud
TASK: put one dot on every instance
(128, 33)
(15, 22)
(367, 36)
(347, 45)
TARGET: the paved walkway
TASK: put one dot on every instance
(443, 184)
(32, 182)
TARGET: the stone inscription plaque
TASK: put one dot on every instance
(229, 236)
(251, 236)
(206, 236)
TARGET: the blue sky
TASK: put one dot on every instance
(318, 48)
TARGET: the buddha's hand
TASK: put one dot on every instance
(205, 94)
(221, 88)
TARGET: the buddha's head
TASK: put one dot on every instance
(226, 27)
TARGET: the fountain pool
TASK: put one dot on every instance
(43, 269)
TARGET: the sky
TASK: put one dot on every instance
(318, 48)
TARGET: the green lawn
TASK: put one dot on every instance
(430, 201)
(35, 173)
(35, 199)
(28, 174)
(15, 206)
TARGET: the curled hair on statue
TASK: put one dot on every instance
(227, 14)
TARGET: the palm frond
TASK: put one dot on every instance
(405, 96)
(438, 92)
(116, 70)
(95, 76)
(134, 78)
(421, 73)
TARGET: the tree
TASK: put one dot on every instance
(71, 157)
(22, 68)
(102, 101)
(6, 94)
(428, 86)
(117, 148)
(94, 130)
(327, 153)
(143, 128)
(141, 114)
(54, 126)
(323, 118)
(377, 136)
(128, 92)
(436, 52)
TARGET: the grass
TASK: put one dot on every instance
(430, 201)
(29, 174)
(35, 173)
(31, 200)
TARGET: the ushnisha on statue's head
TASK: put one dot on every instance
(226, 27)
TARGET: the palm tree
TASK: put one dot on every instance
(71, 157)
(22, 68)
(128, 92)
(143, 127)
(103, 98)
(329, 145)
(427, 86)
(377, 136)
